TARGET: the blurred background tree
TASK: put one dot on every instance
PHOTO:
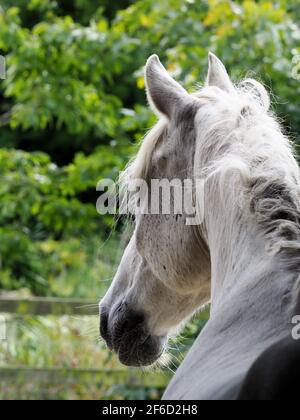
(72, 108)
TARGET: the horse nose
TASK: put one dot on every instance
(120, 324)
(125, 331)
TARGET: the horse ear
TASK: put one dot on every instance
(164, 93)
(217, 74)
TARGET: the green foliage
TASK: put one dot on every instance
(40, 212)
(75, 92)
(77, 78)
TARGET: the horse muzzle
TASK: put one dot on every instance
(125, 332)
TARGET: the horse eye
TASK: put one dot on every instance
(162, 161)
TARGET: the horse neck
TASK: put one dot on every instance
(244, 272)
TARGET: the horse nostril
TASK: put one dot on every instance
(128, 324)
